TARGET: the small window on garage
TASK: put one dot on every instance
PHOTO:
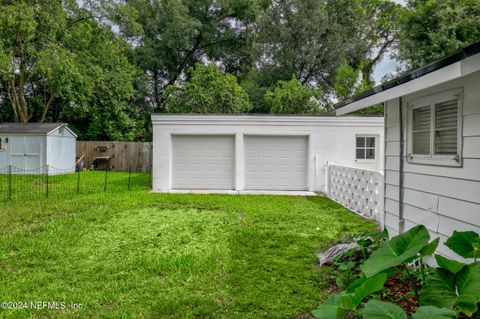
(2, 141)
(365, 147)
(434, 134)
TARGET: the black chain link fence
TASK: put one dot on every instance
(47, 181)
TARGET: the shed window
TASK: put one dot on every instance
(434, 129)
(365, 148)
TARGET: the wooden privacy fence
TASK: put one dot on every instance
(122, 156)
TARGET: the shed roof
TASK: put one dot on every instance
(32, 128)
(448, 68)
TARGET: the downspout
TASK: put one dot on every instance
(401, 221)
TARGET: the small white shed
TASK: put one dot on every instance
(259, 153)
(37, 147)
(432, 145)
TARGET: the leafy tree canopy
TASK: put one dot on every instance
(430, 29)
(311, 39)
(293, 97)
(172, 36)
(208, 90)
(58, 64)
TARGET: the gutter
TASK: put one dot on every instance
(401, 220)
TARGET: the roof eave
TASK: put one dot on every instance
(457, 65)
(64, 125)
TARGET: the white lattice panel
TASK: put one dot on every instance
(357, 189)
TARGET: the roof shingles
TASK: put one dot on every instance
(40, 128)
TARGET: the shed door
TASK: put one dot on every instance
(203, 162)
(276, 162)
(25, 152)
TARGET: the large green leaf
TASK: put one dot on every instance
(432, 312)
(430, 248)
(368, 287)
(468, 280)
(464, 243)
(330, 308)
(325, 312)
(375, 309)
(449, 264)
(468, 285)
(466, 304)
(399, 249)
(439, 289)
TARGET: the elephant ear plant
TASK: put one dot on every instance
(450, 290)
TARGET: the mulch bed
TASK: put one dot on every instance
(399, 292)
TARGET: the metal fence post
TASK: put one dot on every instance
(129, 176)
(105, 183)
(46, 176)
(9, 181)
(78, 182)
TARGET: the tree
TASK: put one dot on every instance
(171, 36)
(35, 67)
(58, 64)
(208, 90)
(430, 29)
(311, 39)
(293, 97)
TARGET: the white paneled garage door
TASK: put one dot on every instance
(276, 162)
(203, 162)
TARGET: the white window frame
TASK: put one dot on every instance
(432, 100)
(366, 160)
(3, 143)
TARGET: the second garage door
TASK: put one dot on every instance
(203, 162)
(276, 162)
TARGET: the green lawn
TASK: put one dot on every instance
(135, 254)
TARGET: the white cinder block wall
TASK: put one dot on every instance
(329, 139)
(441, 198)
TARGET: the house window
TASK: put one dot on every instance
(1, 143)
(365, 148)
(434, 129)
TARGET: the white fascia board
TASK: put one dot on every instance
(448, 73)
(64, 126)
(266, 120)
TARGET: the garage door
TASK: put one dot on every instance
(203, 162)
(276, 162)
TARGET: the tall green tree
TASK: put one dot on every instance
(311, 39)
(35, 66)
(171, 36)
(57, 63)
(208, 90)
(430, 29)
(293, 97)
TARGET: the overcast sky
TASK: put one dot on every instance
(387, 65)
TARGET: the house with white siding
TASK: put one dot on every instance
(432, 145)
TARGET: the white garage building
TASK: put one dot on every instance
(259, 153)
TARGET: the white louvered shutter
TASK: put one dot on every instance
(446, 128)
(421, 130)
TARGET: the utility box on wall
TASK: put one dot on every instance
(45, 147)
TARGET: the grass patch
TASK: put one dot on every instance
(134, 254)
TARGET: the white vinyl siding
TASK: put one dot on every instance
(434, 127)
(443, 198)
